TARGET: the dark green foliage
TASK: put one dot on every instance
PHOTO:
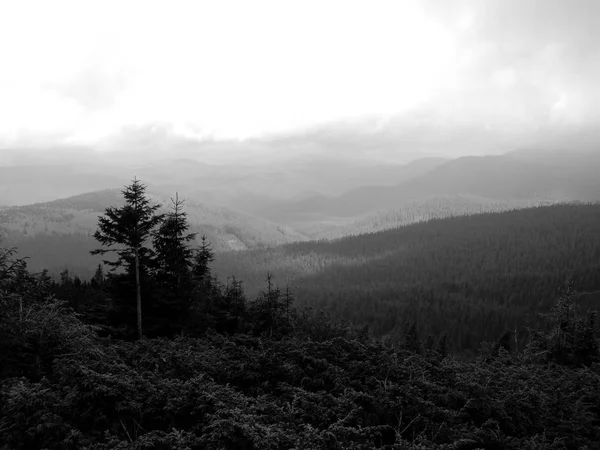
(268, 311)
(171, 300)
(202, 259)
(230, 308)
(171, 244)
(246, 392)
(212, 304)
(469, 276)
(98, 278)
(572, 337)
(442, 346)
(34, 327)
(206, 287)
(319, 384)
(130, 227)
(429, 344)
(87, 298)
(411, 338)
(505, 342)
(59, 251)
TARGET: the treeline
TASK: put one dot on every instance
(422, 210)
(50, 249)
(59, 251)
(473, 276)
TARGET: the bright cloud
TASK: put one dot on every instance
(230, 67)
(84, 69)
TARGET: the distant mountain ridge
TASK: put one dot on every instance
(429, 208)
(243, 186)
(62, 229)
(501, 177)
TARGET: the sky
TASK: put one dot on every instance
(437, 76)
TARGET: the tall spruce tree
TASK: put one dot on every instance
(174, 262)
(206, 288)
(174, 257)
(202, 258)
(125, 231)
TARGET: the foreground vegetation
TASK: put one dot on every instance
(319, 385)
(210, 369)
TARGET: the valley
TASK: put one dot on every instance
(436, 238)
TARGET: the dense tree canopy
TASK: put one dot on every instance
(472, 277)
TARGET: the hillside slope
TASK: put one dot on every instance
(54, 234)
(422, 210)
(25, 184)
(488, 271)
(493, 177)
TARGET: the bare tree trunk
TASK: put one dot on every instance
(138, 294)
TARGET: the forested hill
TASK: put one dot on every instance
(473, 275)
(498, 177)
(422, 210)
(58, 234)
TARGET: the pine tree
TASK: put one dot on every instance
(174, 263)
(99, 275)
(504, 342)
(130, 227)
(12, 273)
(230, 307)
(272, 296)
(201, 274)
(173, 255)
(268, 310)
(411, 338)
(204, 255)
(65, 277)
(429, 344)
(442, 346)
(288, 301)
(572, 339)
(206, 293)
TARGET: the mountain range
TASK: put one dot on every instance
(501, 177)
(251, 206)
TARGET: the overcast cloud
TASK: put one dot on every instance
(439, 77)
